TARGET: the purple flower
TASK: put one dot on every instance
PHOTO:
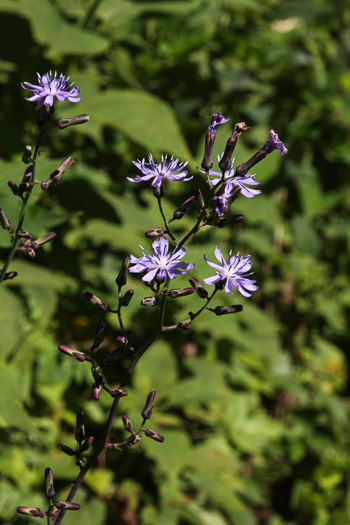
(234, 272)
(160, 264)
(50, 87)
(161, 171)
(274, 143)
(217, 118)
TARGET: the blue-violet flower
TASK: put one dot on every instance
(234, 271)
(158, 172)
(273, 143)
(217, 118)
(49, 87)
(161, 263)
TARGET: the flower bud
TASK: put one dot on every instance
(184, 325)
(30, 252)
(180, 292)
(217, 119)
(156, 232)
(80, 427)
(224, 310)
(67, 505)
(118, 392)
(5, 221)
(72, 121)
(122, 340)
(147, 411)
(99, 338)
(10, 275)
(31, 511)
(45, 184)
(67, 450)
(112, 356)
(87, 444)
(97, 386)
(95, 300)
(44, 239)
(226, 159)
(154, 435)
(50, 490)
(201, 291)
(26, 180)
(122, 276)
(127, 424)
(15, 190)
(27, 155)
(64, 166)
(199, 197)
(149, 301)
(71, 352)
(136, 440)
(231, 219)
(180, 212)
(125, 300)
(24, 234)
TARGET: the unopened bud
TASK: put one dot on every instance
(67, 450)
(50, 490)
(217, 119)
(99, 338)
(200, 200)
(26, 180)
(226, 159)
(231, 219)
(64, 166)
(149, 301)
(63, 123)
(44, 239)
(97, 386)
(180, 292)
(135, 440)
(118, 392)
(80, 427)
(15, 190)
(71, 352)
(24, 234)
(184, 325)
(5, 221)
(122, 340)
(95, 300)
(125, 300)
(31, 511)
(156, 232)
(30, 252)
(201, 291)
(112, 356)
(121, 280)
(154, 435)
(27, 154)
(127, 424)
(10, 275)
(67, 505)
(147, 411)
(45, 184)
(180, 212)
(224, 310)
(87, 444)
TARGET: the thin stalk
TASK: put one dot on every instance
(165, 221)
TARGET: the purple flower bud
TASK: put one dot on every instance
(26, 180)
(147, 411)
(223, 310)
(154, 435)
(217, 119)
(201, 291)
(15, 190)
(122, 339)
(64, 166)
(180, 292)
(10, 275)
(275, 143)
(31, 511)
(24, 234)
(27, 154)
(127, 424)
(231, 219)
(50, 490)
(184, 325)
(226, 159)
(121, 280)
(72, 121)
(180, 212)
(30, 252)
(80, 427)
(5, 222)
(112, 356)
(95, 300)
(45, 184)
(99, 338)
(71, 352)
(118, 392)
(125, 300)
(87, 444)
(67, 450)
(156, 232)
(136, 440)
(67, 505)
(44, 239)
(149, 301)
(200, 200)
(97, 386)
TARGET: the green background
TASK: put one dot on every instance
(254, 407)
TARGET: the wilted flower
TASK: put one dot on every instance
(234, 272)
(50, 87)
(161, 263)
(274, 142)
(158, 172)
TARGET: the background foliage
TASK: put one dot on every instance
(254, 407)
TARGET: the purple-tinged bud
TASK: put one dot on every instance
(24, 234)
(180, 292)
(45, 184)
(95, 300)
(158, 192)
(180, 212)
(71, 352)
(15, 190)
(44, 239)
(99, 338)
(97, 386)
(122, 278)
(226, 159)
(122, 340)
(54, 513)
(67, 505)
(118, 392)
(136, 440)
(149, 301)
(127, 424)
(87, 444)
(154, 435)
(231, 219)
(224, 310)
(50, 490)
(62, 168)
(199, 197)
(67, 450)
(26, 180)
(220, 285)
(80, 427)
(274, 143)
(156, 232)
(31, 511)
(201, 291)
(10, 275)
(63, 123)
(27, 155)
(217, 119)
(5, 221)
(112, 356)
(30, 252)
(184, 325)
(147, 411)
(125, 300)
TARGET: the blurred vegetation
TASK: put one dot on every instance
(254, 407)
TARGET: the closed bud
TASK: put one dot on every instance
(231, 219)
(97, 386)
(127, 424)
(112, 356)
(122, 340)
(217, 119)
(226, 159)
(95, 300)
(26, 180)
(224, 310)
(31, 511)
(27, 154)
(10, 275)
(201, 291)
(87, 444)
(154, 435)
(71, 352)
(30, 252)
(147, 411)
(67, 450)
(24, 234)
(67, 505)
(64, 166)
(199, 197)
(156, 232)
(50, 490)
(184, 325)
(63, 123)
(99, 338)
(118, 392)
(80, 427)
(125, 300)
(5, 221)
(180, 212)
(44, 239)
(121, 280)
(45, 184)
(135, 440)
(149, 301)
(180, 292)
(15, 190)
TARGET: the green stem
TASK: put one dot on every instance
(167, 229)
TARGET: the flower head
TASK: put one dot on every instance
(234, 272)
(161, 263)
(158, 172)
(217, 118)
(49, 87)
(274, 143)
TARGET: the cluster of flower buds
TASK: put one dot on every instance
(83, 442)
(28, 245)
